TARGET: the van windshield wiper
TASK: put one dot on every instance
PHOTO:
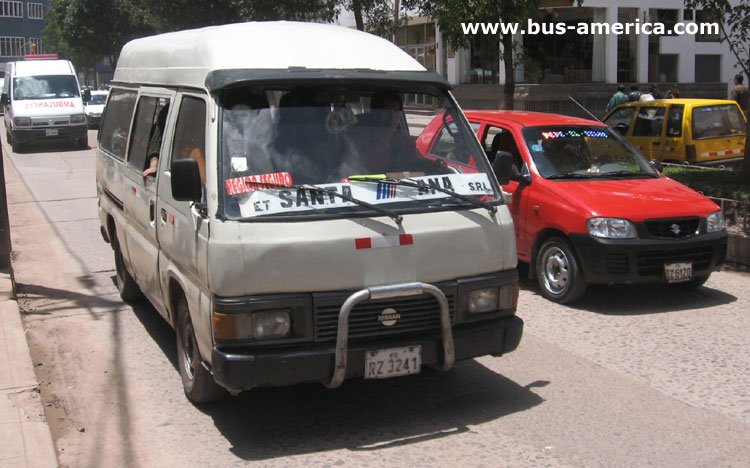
(396, 217)
(418, 184)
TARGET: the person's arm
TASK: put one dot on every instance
(153, 164)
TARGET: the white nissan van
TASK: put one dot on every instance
(271, 204)
(42, 103)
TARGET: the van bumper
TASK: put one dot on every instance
(631, 261)
(246, 369)
(39, 135)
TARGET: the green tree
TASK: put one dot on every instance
(450, 14)
(733, 19)
(92, 29)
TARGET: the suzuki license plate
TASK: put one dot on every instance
(51, 132)
(393, 362)
(678, 272)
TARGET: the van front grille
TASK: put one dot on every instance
(418, 314)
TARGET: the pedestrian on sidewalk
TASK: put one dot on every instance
(635, 93)
(618, 98)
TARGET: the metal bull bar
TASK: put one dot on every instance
(385, 292)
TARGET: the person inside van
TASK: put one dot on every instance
(381, 144)
(154, 143)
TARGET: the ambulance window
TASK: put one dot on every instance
(146, 129)
(190, 133)
(115, 131)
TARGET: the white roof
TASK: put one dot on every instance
(43, 67)
(184, 58)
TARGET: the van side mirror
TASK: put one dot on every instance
(4, 99)
(86, 95)
(186, 180)
(501, 165)
(656, 165)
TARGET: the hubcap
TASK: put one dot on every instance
(556, 271)
(188, 345)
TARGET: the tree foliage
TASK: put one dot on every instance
(89, 29)
(449, 14)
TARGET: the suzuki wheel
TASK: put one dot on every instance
(558, 272)
(126, 285)
(198, 383)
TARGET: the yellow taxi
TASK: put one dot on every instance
(696, 131)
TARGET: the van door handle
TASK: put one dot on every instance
(151, 211)
(656, 143)
(163, 216)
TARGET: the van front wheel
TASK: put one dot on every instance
(198, 383)
(558, 272)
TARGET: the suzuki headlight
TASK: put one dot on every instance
(22, 121)
(715, 222)
(77, 118)
(612, 228)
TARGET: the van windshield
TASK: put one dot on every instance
(45, 87)
(584, 152)
(717, 121)
(284, 150)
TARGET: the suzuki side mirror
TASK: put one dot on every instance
(656, 165)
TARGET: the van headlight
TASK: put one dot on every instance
(612, 228)
(22, 121)
(715, 222)
(493, 298)
(258, 325)
(77, 118)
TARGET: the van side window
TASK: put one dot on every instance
(190, 133)
(145, 129)
(674, 123)
(649, 122)
(115, 131)
(620, 119)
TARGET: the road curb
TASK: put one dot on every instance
(25, 434)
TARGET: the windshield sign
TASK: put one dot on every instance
(580, 152)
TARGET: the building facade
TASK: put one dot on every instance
(21, 24)
(585, 66)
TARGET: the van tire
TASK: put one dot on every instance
(14, 145)
(126, 285)
(197, 382)
(558, 272)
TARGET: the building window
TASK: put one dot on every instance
(11, 9)
(707, 68)
(704, 17)
(35, 11)
(11, 46)
(35, 46)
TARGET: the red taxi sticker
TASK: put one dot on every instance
(251, 183)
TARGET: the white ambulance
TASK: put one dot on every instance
(42, 103)
(271, 204)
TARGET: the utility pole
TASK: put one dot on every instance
(5, 247)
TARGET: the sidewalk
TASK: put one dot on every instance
(25, 439)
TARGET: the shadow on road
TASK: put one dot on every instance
(363, 415)
(638, 299)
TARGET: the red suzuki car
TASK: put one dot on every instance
(587, 207)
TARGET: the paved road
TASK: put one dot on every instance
(628, 377)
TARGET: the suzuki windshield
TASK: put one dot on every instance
(584, 152)
(283, 151)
